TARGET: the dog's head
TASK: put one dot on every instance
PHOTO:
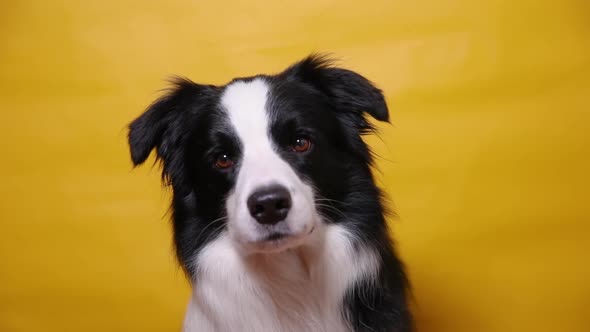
(266, 159)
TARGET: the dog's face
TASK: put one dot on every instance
(265, 159)
(270, 204)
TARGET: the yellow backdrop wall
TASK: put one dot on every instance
(487, 159)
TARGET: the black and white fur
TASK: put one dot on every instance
(329, 265)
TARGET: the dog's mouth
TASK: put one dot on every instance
(274, 242)
(278, 241)
(274, 237)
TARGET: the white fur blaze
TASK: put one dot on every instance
(246, 106)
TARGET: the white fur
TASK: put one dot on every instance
(260, 166)
(297, 290)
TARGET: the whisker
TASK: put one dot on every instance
(209, 225)
(213, 232)
(322, 199)
(331, 208)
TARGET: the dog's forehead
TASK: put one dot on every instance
(245, 96)
(245, 104)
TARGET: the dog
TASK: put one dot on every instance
(277, 220)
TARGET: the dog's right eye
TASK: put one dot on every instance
(223, 161)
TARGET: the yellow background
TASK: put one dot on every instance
(487, 159)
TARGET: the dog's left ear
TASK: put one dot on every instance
(350, 93)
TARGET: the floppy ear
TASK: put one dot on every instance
(160, 125)
(145, 132)
(350, 93)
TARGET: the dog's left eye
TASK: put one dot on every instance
(301, 144)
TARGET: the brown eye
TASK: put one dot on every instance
(223, 161)
(301, 144)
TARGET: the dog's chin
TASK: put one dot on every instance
(276, 242)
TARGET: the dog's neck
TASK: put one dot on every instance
(300, 289)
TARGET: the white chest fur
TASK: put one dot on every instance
(296, 290)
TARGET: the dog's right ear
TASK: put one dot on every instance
(156, 127)
(145, 132)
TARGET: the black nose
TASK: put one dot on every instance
(269, 205)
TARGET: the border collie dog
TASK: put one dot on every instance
(277, 220)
